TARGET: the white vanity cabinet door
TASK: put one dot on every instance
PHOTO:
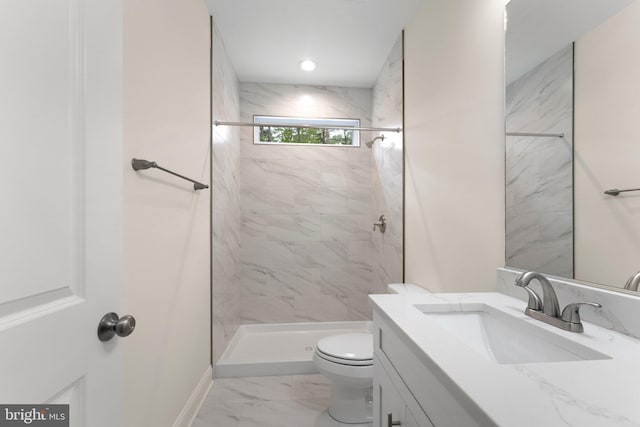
(435, 396)
(412, 421)
(386, 399)
(390, 395)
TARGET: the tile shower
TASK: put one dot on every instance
(306, 212)
(539, 170)
(226, 224)
(293, 239)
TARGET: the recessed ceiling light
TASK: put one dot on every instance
(307, 65)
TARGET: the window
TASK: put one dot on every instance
(281, 130)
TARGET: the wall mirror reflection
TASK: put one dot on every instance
(572, 108)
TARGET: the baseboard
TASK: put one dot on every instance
(195, 401)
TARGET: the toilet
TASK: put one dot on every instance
(347, 361)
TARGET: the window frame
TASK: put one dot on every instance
(289, 121)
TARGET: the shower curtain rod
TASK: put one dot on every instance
(280, 125)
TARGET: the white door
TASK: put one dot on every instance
(61, 204)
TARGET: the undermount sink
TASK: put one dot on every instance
(504, 338)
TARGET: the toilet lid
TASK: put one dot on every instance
(347, 348)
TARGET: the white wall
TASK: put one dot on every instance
(454, 145)
(607, 151)
(166, 223)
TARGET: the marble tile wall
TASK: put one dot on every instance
(387, 164)
(539, 170)
(226, 200)
(306, 213)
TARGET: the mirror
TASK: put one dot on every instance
(572, 108)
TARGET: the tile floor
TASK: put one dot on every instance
(279, 401)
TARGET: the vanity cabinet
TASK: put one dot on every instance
(410, 386)
(393, 403)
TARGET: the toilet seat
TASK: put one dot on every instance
(347, 349)
(347, 361)
(344, 361)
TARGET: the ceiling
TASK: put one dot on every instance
(348, 39)
(536, 29)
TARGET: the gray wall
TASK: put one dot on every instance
(539, 175)
(387, 169)
(306, 213)
(226, 200)
(292, 225)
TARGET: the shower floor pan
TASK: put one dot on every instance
(279, 348)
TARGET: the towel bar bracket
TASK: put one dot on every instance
(616, 192)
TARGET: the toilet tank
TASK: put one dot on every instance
(406, 288)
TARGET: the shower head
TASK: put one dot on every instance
(370, 143)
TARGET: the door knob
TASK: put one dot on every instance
(111, 325)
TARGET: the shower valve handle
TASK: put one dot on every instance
(382, 224)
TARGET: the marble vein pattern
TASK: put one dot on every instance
(387, 169)
(304, 211)
(227, 224)
(570, 408)
(539, 170)
(293, 239)
(278, 401)
(578, 393)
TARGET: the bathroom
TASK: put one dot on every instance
(192, 266)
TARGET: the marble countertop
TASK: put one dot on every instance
(595, 393)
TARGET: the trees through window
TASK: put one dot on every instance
(282, 130)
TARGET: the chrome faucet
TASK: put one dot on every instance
(633, 282)
(549, 305)
(547, 310)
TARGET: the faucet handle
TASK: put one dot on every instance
(633, 282)
(571, 312)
